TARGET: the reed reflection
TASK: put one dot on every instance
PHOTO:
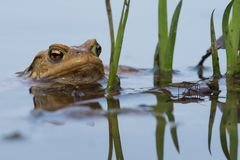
(163, 111)
(229, 121)
(114, 133)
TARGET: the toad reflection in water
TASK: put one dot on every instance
(51, 97)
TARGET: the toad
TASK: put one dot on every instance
(74, 65)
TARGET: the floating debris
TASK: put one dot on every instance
(16, 135)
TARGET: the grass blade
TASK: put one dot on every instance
(162, 31)
(118, 46)
(215, 63)
(235, 25)
(172, 37)
(111, 28)
(231, 58)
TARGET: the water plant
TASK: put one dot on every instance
(229, 123)
(163, 60)
(163, 110)
(114, 133)
(117, 45)
(111, 28)
(215, 62)
(231, 35)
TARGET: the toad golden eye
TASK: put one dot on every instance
(98, 49)
(55, 55)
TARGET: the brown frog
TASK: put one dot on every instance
(74, 65)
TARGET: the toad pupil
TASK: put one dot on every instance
(56, 54)
(98, 49)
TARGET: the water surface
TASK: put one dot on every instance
(140, 125)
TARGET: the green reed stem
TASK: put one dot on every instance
(227, 39)
(111, 27)
(231, 34)
(215, 63)
(172, 37)
(235, 24)
(166, 41)
(118, 46)
(162, 31)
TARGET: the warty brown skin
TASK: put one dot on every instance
(74, 65)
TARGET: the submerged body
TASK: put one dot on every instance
(220, 45)
(68, 65)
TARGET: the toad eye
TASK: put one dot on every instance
(55, 55)
(98, 49)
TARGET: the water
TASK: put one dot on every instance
(145, 122)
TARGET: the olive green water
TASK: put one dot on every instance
(44, 124)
